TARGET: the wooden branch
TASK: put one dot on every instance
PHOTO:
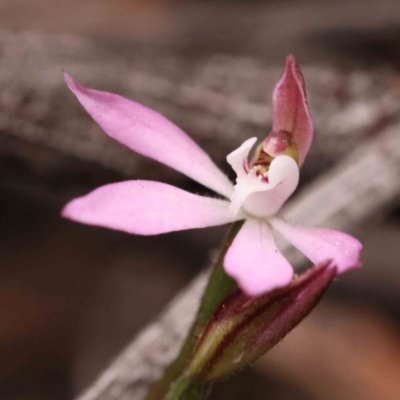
(143, 361)
(219, 100)
(364, 182)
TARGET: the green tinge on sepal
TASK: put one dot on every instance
(243, 329)
(263, 159)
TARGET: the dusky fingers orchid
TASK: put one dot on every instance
(264, 182)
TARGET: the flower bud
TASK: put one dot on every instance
(243, 328)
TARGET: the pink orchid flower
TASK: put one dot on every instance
(263, 185)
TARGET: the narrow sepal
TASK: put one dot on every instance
(147, 208)
(291, 110)
(243, 328)
(150, 134)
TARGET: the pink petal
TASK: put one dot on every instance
(149, 133)
(147, 208)
(259, 198)
(319, 244)
(265, 201)
(238, 159)
(290, 107)
(254, 261)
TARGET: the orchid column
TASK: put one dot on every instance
(251, 300)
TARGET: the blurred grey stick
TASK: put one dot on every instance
(367, 180)
(219, 100)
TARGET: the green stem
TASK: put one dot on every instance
(219, 287)
(186, 389)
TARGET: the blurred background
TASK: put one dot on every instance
(73, 296)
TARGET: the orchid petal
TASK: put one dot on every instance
(147, 208)
(254, 261)
(290, 108)
(150, 134)
(319, 244)
(245, 186)
(263, 199)
(238, 159)
(245, 183)
(283, 178)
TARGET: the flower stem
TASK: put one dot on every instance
(218, 288)
(187, 389)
